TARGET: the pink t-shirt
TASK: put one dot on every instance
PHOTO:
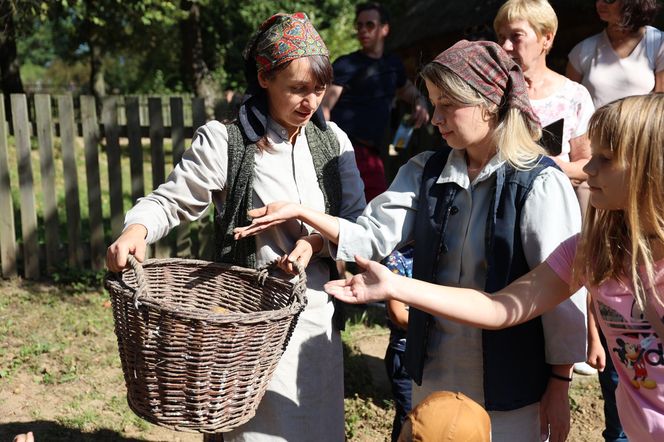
(634, 347)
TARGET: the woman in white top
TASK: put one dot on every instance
(526, 29)
(288, 152)
(626, 58)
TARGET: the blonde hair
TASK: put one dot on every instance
(614, 243)
(514, 135)
(538, 13)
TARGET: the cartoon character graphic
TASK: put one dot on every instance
(631, 355)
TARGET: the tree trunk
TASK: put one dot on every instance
(194, 68)
(10, 74)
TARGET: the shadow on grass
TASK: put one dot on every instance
(364, 375)
(46, 431)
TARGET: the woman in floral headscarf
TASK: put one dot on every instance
(480, 216)
(280, 148)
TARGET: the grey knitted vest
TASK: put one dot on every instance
(324, 148)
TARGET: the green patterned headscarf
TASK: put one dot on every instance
(282, 38)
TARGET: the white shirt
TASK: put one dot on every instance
(609, 77)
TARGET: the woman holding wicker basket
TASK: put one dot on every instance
(279, 148)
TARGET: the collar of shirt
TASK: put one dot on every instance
(277, 133)
(456, 169)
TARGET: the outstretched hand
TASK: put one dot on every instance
(266, 217)
(373, 284)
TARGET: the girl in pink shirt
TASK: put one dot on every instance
(619, 257)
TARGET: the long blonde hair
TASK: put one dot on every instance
(514, 135)
(614, 243)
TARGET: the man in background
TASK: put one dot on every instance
(365, 85)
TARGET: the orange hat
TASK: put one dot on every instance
(444, 416)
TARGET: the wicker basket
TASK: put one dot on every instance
(199, 341)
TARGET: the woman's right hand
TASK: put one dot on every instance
(265, 217)
(131, 241)
(372, 285)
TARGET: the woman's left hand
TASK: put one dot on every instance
(265, 217)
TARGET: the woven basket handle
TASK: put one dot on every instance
(141, 280)
(300, 284)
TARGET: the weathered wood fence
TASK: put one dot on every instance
(67, 176)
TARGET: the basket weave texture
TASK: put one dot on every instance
(199, 341)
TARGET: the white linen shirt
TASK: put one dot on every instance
(311, 367)
(549, 216)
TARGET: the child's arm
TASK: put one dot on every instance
(398, 313)
(534, 293)
(596, 353)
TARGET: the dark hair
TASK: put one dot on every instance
(638, 13)
(320, 67)
(374, 6)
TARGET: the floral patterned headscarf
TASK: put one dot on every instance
(282, 38)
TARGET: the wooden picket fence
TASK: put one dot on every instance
(51, 226)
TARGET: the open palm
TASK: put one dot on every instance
(369, 286)
(268, 216)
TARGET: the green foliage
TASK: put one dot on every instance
(141, 40)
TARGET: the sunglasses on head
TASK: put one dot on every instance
(368, 25)
(609, 2)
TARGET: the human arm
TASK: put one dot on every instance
(304, 249)
(386, 223)
(130, 242)
(529, 296)
(579, 156)
(185, 195)
(565, 325)
(554, 405)
(419, 109)
(398, 313)
(330, 99)
(659, 82)
(596, 354)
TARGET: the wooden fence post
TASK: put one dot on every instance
(26, 184)
(73, 207)
(43, 112)
(7, 229)
(135, 148)
(91, 145)
(162, 248)
(109, 117)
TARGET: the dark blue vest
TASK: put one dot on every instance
(515, 370)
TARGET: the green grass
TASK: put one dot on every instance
(57, 346)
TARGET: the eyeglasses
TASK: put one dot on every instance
(609, 2)
(368, 25)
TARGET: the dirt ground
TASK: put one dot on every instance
(585, 396)
(60, 376)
